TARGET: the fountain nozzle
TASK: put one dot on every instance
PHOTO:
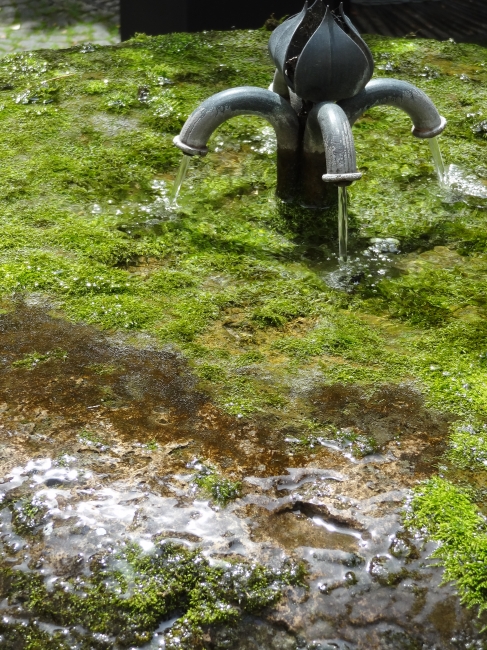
(321, 55)
(321, 86)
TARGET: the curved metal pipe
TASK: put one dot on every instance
(279, 85)
(246, 100)
(328, 131)
(401, 94)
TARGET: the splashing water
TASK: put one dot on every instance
(181, 175)
(342, 224)
(437, 159)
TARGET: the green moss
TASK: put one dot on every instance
(231, 278)
(102, 369)
(211, 372)
(446, 514)
(340, 334)
(434, 295)
(359, 444)
(51, 272)
(29, 636)
(450, 362)
(220, 489)
(468, 447)
(91, 439)
(128, 593)
(347, 440)
(27, 515)
(254, 356)
(115, 311)
(33, 359)
(277, 312)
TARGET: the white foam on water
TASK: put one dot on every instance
(465, 183)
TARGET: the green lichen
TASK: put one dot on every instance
(128, 593)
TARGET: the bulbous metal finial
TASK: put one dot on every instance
(321, 55)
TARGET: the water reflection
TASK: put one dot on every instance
(365, 571)
(367, 266)
(463, 184)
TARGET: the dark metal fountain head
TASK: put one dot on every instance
(320, 88)
(321, 55)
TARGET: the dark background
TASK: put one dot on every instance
(163, 16)
(462, 20)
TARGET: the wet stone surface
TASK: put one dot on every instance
(102, 443)
(38, 24)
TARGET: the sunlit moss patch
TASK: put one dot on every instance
(468, 447)
(446, 514)
(220, 489)
(129, 592)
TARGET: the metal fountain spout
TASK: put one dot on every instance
(247, 100)
(321, 86)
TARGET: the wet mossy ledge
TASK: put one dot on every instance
(231, 281)
(130, 591)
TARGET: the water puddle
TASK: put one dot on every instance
(139, 219)
(370, 584)
(382, 257)
(370, 265)
(99, 448)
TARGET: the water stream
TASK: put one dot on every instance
(437, 159)
(181, 175)
(342, 224)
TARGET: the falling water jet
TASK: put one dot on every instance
(434, 146)
(342, 224)
(181, 175)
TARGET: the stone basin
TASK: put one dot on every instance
(211, 436)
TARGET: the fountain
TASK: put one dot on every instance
(321, 86)
(242, 407)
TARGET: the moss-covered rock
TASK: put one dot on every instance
(128, 593)
(446, 514)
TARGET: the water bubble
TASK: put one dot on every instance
(86, 48)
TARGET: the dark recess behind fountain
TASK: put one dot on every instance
(164, 16)
(462, 20)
